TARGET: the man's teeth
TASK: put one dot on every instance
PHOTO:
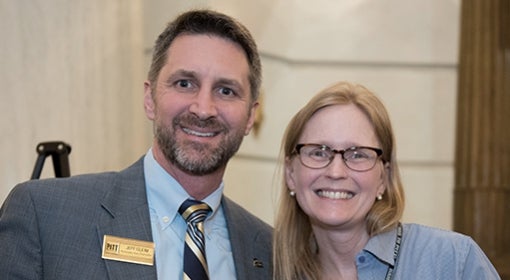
(199, 134)
(335, 195)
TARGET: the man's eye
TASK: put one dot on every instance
(226, 91)
(183, 84)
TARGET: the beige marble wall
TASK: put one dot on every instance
(85, 57)
(406, 51)
(71, 71)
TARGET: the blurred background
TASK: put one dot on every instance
(74, 71)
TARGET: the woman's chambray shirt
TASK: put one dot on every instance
(425, 253)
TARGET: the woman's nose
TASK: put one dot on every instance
(337, 168)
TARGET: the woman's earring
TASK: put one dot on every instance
(292, 193)
(379, 197)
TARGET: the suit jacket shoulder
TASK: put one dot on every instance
(251, 241)
(55, 227)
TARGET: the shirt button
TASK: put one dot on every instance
(361, 259)
(166, 219)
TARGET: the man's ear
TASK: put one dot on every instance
(148, 101)
(252, 117)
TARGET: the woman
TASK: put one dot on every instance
(342, 200)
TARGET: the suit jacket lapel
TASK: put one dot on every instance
(127, 215)
(245, 242)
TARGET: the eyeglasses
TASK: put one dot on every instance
(318, 156)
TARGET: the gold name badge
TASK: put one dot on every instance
(128, 250)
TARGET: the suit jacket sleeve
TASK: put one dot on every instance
(20, 252)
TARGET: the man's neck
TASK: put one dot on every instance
(198, 187)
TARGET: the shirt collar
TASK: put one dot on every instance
(382, 246)
(165, 194)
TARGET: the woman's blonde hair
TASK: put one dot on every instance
(294, 247)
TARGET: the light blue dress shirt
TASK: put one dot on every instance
(165, 195)
(425, 253)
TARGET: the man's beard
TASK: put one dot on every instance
(193, 157)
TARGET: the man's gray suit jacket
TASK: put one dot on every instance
(54, 228)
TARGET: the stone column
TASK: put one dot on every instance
(482, 155)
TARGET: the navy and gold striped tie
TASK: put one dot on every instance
(195, 263)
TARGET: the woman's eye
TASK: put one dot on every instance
(319, 154)
(358, 155)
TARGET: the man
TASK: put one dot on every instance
(201, 95)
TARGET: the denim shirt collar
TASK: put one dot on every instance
(382, 246)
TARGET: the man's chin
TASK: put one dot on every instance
(197, 161)
(197, 168)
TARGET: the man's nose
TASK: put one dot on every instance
(203, 105)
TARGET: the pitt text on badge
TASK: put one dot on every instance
(128, 250)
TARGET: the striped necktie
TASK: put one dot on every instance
(195, 263)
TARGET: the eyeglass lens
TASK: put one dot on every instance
(355, 158)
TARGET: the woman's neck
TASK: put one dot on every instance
(338, 250)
